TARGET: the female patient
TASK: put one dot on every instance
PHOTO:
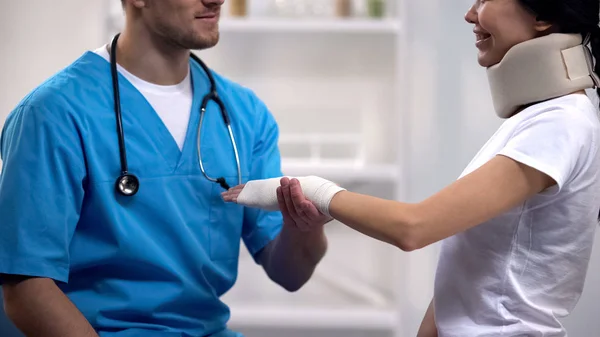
(518, 226)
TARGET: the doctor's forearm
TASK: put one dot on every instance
(39, 308)
(292, 257)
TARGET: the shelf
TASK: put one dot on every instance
(290, 317)
(342, 173)
(288, 25)
(331, 299)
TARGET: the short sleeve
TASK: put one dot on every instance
(553, 142)
(41, 191)
(261, 227)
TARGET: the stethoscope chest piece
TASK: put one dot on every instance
(128, 185)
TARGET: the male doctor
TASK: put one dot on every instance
(79, 259)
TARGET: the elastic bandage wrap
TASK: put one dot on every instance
(263, 193)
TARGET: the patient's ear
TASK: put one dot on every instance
(544, 27)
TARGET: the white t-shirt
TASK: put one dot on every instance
(518, 273)
(172, 103)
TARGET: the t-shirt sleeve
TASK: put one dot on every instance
(554, 142)
(41, 192)
(261, 227)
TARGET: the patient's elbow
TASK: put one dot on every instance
(408, 243)
(409, 236)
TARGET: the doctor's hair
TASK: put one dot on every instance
(571, 17)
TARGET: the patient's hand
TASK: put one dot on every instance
(232, 194)
(263, 193)
(260, 194)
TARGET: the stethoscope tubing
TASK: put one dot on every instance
(117, 103)
(128, 184)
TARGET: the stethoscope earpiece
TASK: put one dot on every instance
(128, 185)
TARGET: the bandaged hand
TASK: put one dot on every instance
(263, 193)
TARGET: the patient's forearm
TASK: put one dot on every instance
(386, 220)
(39, 308)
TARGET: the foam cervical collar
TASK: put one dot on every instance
(540, 69)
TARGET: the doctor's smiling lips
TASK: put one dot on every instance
(210, 17)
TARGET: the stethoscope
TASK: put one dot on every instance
(128, 184)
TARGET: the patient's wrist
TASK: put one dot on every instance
(263, 193)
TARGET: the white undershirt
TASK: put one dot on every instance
(172, 103)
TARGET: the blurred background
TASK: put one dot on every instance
(382, 96)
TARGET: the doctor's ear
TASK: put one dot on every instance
(135, 3)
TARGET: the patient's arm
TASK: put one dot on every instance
(428, 327)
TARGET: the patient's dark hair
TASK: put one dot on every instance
(571, 16)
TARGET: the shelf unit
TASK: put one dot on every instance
(350, 303)
(343, 174)
(286, 317)
(319, 25)
(335, 86)
(245, 25)
(336, 298)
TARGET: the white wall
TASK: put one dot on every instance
(39, 37)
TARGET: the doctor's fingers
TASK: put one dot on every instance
(312, 213)
(287, 216)
(296, 214)
(305, 207)
(296, 194)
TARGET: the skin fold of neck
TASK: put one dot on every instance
(151, 58)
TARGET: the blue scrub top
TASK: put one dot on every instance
(150, 265)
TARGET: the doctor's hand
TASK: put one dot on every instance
(298, 211)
